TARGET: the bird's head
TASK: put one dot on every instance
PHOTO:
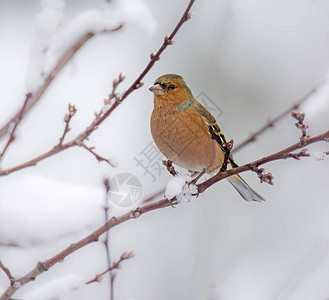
(171, 88)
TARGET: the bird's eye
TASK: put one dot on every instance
(172, 87)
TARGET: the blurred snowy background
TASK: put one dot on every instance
(253, 59)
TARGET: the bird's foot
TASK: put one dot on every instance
(173, 202)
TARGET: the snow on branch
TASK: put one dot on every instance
(184, 188)
(35, 95)
(139, 211)
(41, 267)
(100, 117)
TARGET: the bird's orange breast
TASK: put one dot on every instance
(184, 138)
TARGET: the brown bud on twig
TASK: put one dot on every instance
(97, 156)
(67, 118)
(126, 255)
(264, 177)
(170, 167)
(154, 57)
(72, 110)
(121, 77)
(168, 41)
(135, 213)
(139, 84)
(270, 123)
(297, 156)
(300, 125)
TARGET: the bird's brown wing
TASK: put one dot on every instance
(214, 130)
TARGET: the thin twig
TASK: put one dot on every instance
(153, 59)
(19, 119)
(263, 177)
(228, 148)
(300, 125)
(136, 213)
(107, 106)
(115, 84)
(283, 154)
(62, 61)
(271, 123)
(67, 119)
(97, 156)
(107, 239)
(78, 141)
(115, 265)
(10, 244)
(301, 153)
(7, 272)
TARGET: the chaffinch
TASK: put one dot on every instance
(184, 132)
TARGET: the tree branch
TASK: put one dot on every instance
(153, 59)
(107, 241)
(134, 214)
(41, 267)
(283, 154)
(33, 97)
(67, 119)
(300, 124)
(97, 156)
(100, 117)
(228, 147)
(7, 272)
(254, 135)
(19, 119)
(115, 265)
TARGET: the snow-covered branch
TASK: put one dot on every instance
(100, 117)
(136, 213)
(33, 97)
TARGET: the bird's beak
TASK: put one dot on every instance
(157, 89)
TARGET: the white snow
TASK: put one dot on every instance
(178, 186)
(57, 210)
(52, 39)
(47, 27)
(316, 155)
(187, 192)
(174, 186)
(57, 288)
(253, 59)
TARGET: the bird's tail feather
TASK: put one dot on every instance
(244, 189)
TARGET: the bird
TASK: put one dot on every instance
(187, 134)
